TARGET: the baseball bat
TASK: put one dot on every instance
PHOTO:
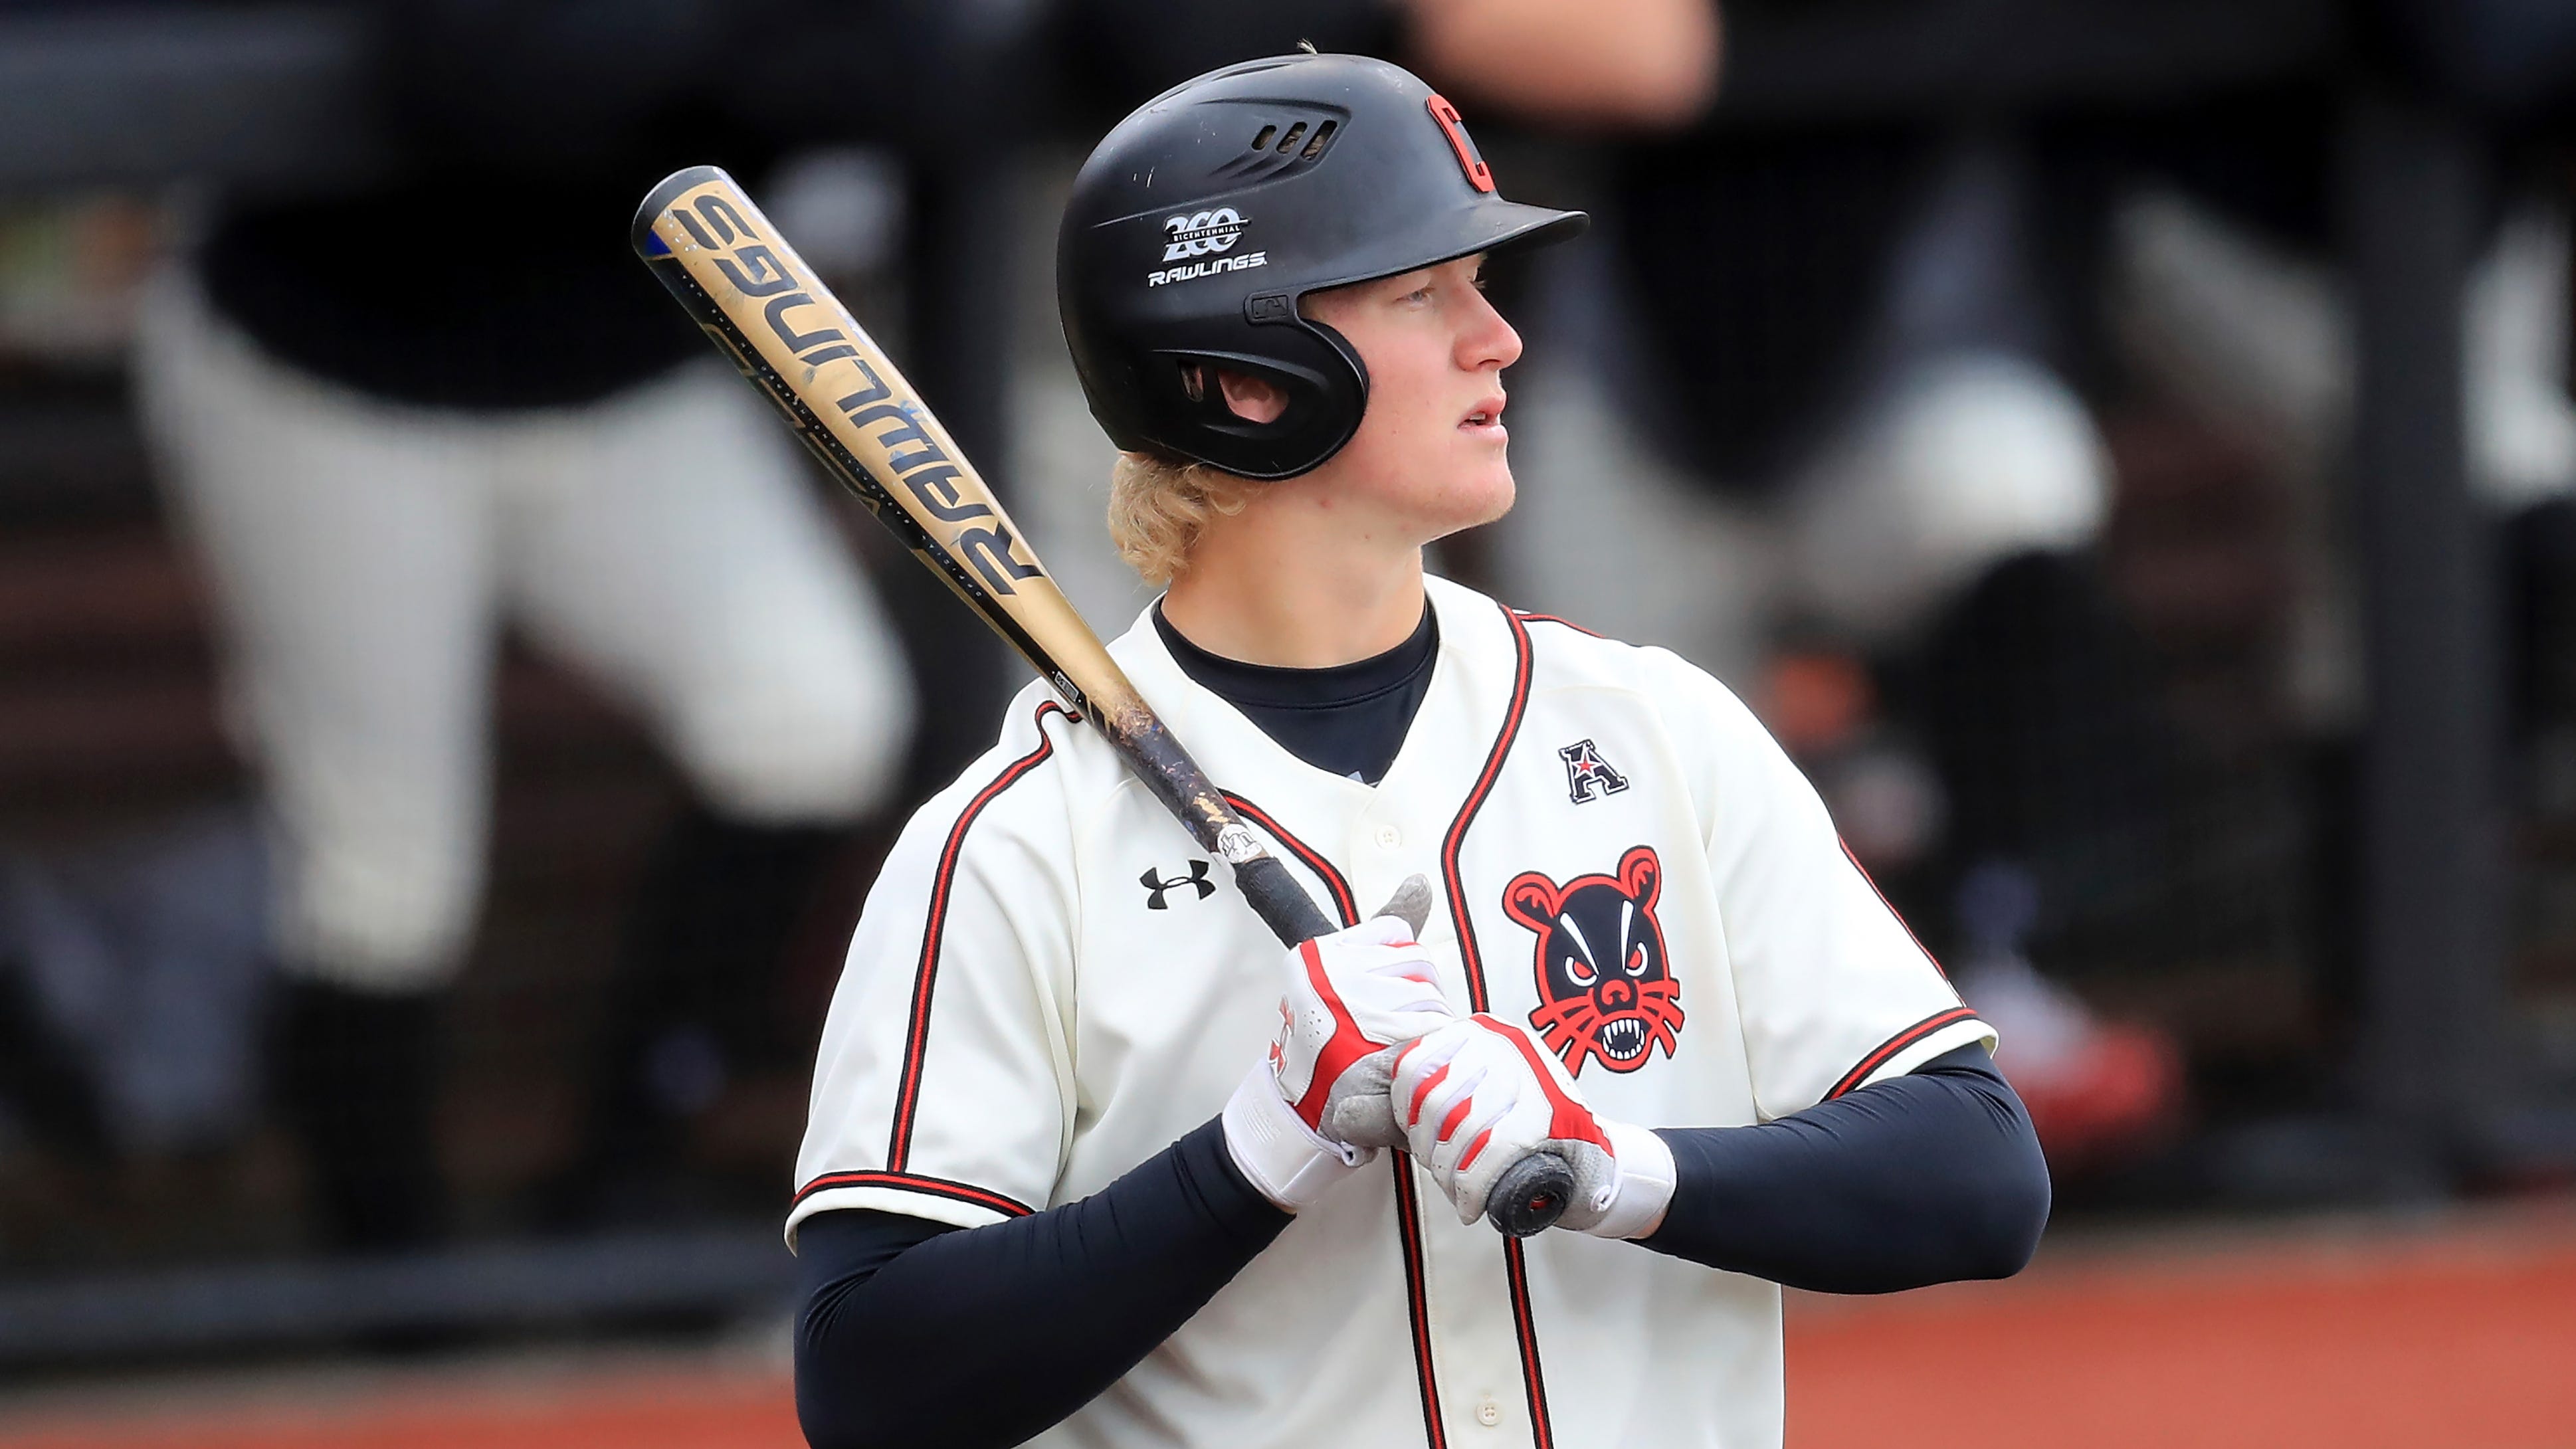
(766, 310)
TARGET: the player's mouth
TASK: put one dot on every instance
(1623, 1038)
(1485, 419)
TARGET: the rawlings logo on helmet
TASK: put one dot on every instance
(1200, 233)
(1605, 991)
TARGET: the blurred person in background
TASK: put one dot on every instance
(2223, 278)
(2218, 252)
(1855, 479)
(1611, 65)
(394, 418)
(1863, 352)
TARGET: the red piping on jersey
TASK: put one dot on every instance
(1533, 1380)
(1897, 1043)
(914, 1182)
(1457, 836)
(1408, 1216)
(1891, 907)
(1516, 1269)
(1417, 1304)
(916, 1040)
(1531, 618)
(1306, 854)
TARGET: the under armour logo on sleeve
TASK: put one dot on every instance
(1587, 775)
(1155, 885)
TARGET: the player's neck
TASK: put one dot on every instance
(1293, 587)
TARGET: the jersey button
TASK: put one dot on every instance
(1388, 837)
(1488, 1413)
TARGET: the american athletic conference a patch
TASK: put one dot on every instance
(1605, 990)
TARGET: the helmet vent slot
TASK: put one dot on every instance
(1285, 139)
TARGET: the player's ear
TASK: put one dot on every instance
(1641, 876)
(1253, 399)
(1531, 899)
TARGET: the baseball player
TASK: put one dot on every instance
(382, 457)
(1090, 1161)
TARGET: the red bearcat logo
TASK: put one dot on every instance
(1605, 990)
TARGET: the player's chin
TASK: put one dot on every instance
(1474, 491)
(1490, 490)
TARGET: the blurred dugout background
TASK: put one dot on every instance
(2125, 450)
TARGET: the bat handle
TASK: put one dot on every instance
(1282, 904)
(1530, 1195)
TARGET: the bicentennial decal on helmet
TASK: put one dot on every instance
(1197, 234)
(1605, 988)
(1209, 233)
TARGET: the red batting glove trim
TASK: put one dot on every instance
(1475, 1149)
(1347, 1045)
(1457, 1115)
(1569, 1120)
(1413, 1113)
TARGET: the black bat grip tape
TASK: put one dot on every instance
(1280, 902)
(1530, 1195)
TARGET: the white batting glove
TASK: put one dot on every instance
(1480, 1094)
(1317, 1109)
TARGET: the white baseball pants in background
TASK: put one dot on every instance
(363, 556)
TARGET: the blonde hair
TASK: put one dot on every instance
(1158, 507)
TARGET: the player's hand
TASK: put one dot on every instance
(1478, 1095)
(1350, 1000)
(1318, 1106)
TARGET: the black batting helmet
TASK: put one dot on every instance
(1199, 223)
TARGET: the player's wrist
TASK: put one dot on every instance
(1285, 1160)
(1644, 1186)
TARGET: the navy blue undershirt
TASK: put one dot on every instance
(914, 1332)
(1348, 719)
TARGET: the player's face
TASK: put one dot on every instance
(1429, 454)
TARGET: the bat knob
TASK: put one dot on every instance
(1530, 1195)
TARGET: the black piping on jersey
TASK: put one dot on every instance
(1515, 1268)
(1408, 1216)
(1879, 1055)
(916, 1040)
(915, 1182)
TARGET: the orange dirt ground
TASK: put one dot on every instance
(2451, 1334)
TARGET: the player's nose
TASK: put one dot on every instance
(1486, 340)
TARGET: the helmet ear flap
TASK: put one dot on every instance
(1205, 396)
(1325, 399)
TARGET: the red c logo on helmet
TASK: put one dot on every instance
(1468, 161)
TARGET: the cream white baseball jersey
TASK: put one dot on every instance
(1051, 983)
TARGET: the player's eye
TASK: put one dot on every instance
(1637, 959)
(1576, 967)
